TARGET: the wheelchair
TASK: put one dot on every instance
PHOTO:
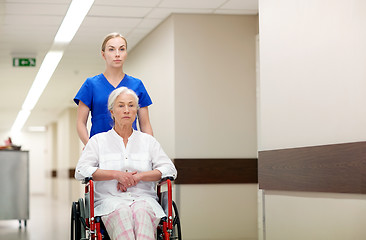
(86, 226)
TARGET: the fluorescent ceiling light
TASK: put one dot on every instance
(37, 129)
(69, 26)
(19, 122)
(44, 74)
(73, 19)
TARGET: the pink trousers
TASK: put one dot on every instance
(135, 222)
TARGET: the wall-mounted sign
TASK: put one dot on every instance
(24, 62)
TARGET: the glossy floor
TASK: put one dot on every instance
(49, 219)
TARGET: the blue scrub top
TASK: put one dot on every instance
(95, 92)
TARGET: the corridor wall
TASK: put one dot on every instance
(68, 152)
(200, 73)
(312, 92)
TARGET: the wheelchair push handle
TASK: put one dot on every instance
(164, 180)
(86, 180)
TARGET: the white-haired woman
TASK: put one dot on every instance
(125, 165)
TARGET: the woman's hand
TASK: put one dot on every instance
(121, 188)
(125, 180)
(149, 176)
(137, 177)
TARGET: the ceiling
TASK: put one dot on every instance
(28, 28)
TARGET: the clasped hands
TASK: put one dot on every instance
(127, 180)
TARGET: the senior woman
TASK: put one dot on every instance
(125, 165)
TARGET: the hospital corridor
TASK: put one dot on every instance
(256, 109)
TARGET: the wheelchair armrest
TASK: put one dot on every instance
(164, 180)
(86, 180)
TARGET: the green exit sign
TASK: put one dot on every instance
(24, 62)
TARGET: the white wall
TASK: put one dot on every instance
(153, 62)
(216, 118)
(312, 72)
(200, 73)
(312, 92)
(68, 152)
(318, 216)
(35, 143)
(215, 86)
(51, 160)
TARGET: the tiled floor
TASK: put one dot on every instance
(49, 219)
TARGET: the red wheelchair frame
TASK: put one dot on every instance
(83, 221)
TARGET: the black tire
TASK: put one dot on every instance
(177, 232)
(81, 211)
(72, 229)
(75, 222)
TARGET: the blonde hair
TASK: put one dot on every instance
(110, 36)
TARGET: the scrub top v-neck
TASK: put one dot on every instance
(95, 92)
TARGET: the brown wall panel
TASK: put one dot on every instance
(64, 173)
(214, 171)
(339, 168)
(205, 171)
(53, 173)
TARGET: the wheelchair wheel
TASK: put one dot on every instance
(176, 234)
(75, 222)
(82, 218)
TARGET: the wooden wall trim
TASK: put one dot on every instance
(337, 168)
(211, 171)
(68, 173)
(53, 173)
(216, 171)
(72, 173)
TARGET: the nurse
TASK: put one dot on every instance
(93, 94)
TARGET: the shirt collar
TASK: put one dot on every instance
(115, 134)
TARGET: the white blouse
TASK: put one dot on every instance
(107, 151)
